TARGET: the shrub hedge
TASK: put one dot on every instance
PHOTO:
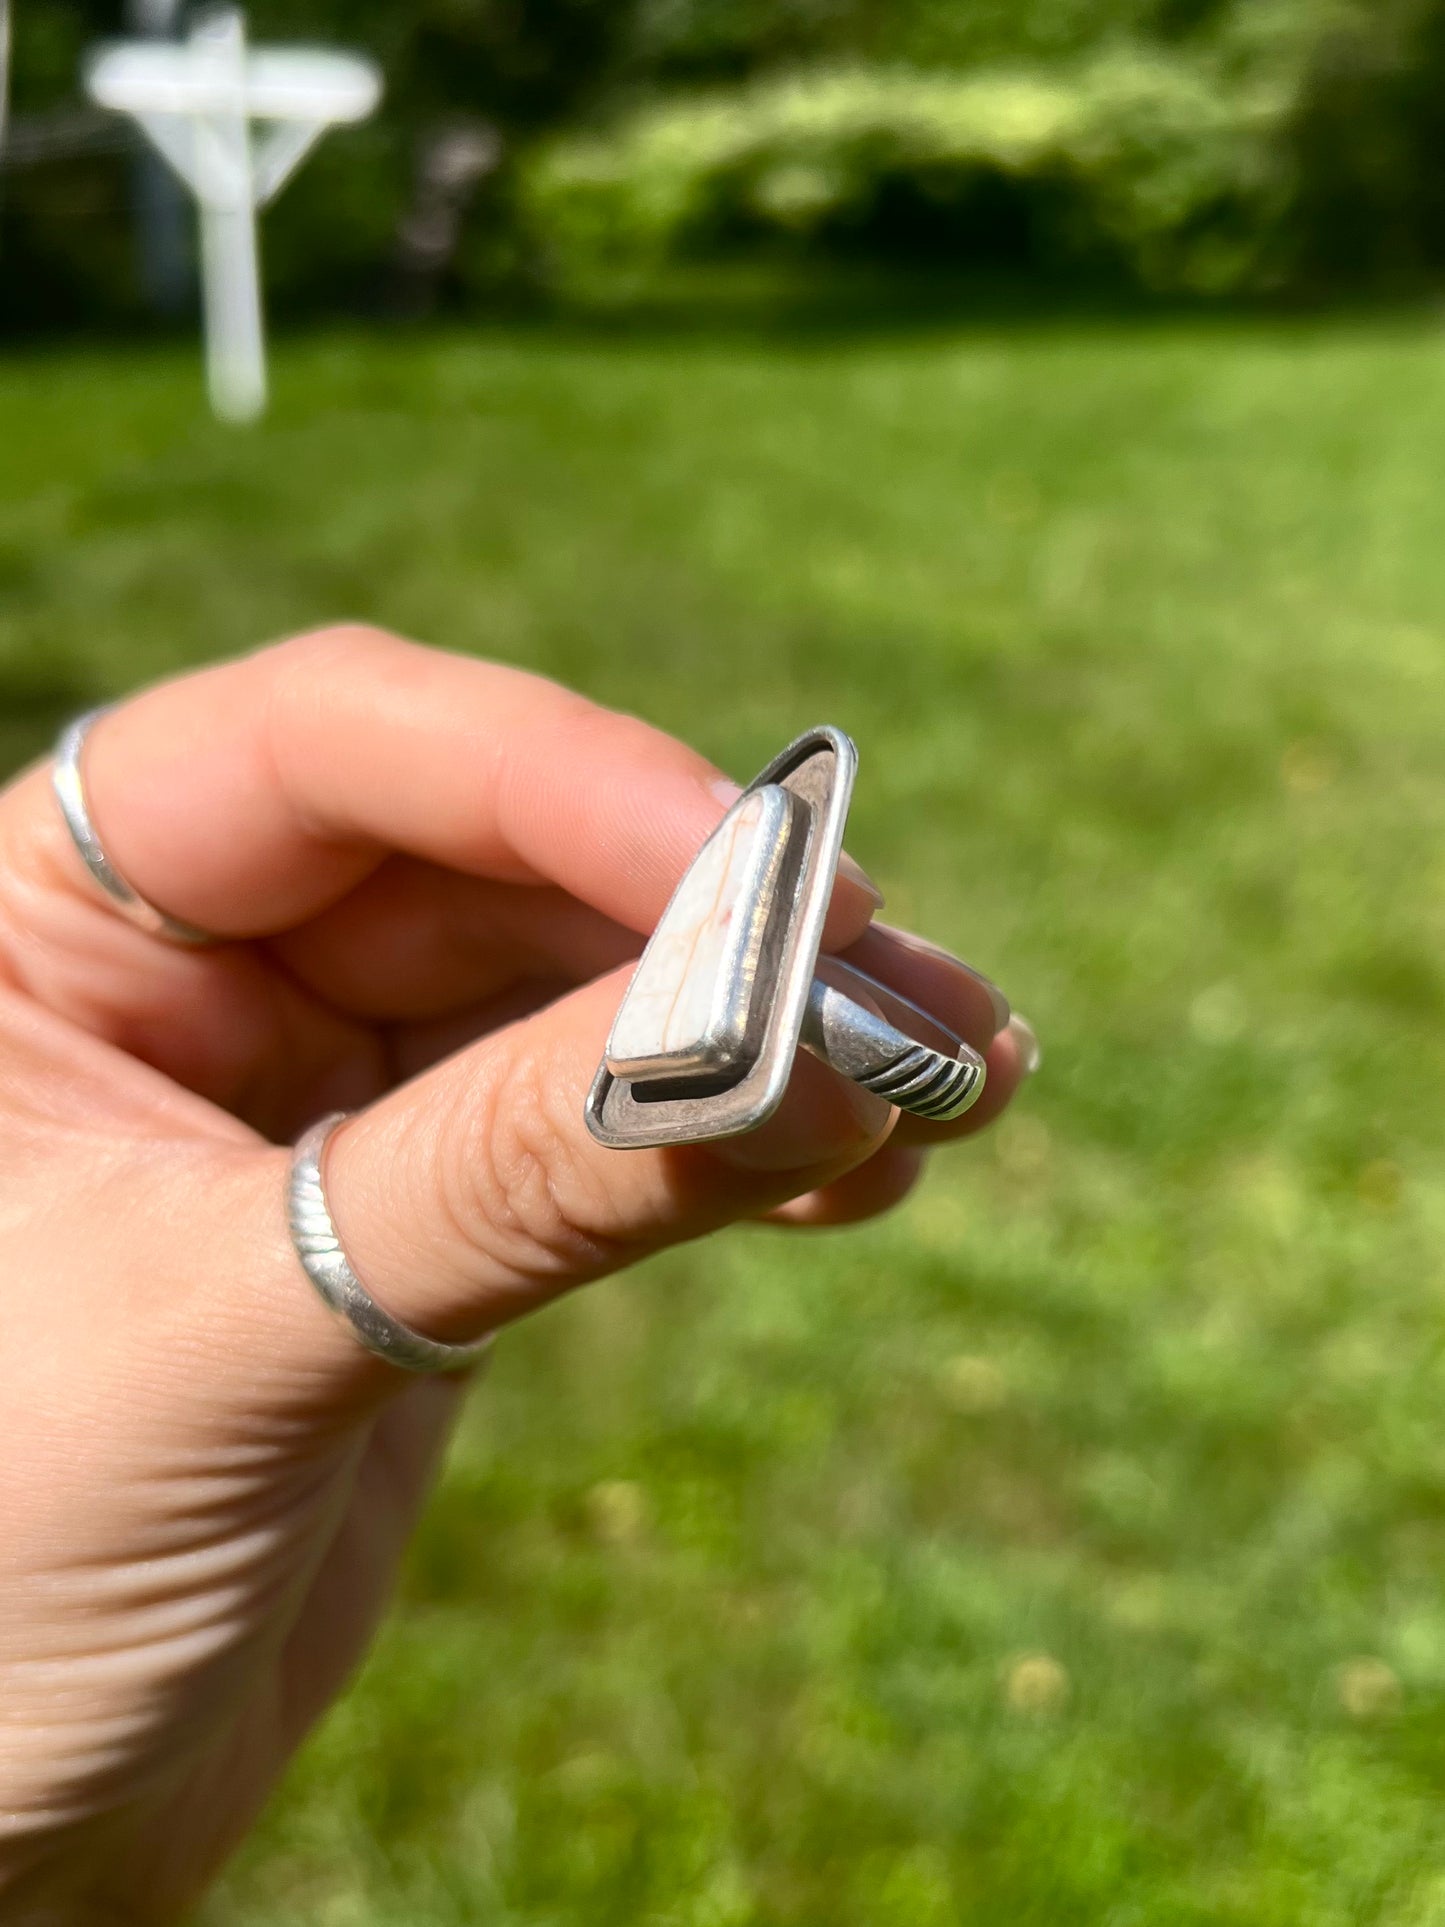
(1135, 163)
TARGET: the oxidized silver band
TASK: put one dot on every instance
(937, 1080)
(314, 1235)
(68, 782)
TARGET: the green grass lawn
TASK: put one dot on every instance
(1071, 1546)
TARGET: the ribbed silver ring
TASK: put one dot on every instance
(931, 1082)
(68, 781)
(314, 1235)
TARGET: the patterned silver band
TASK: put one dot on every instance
(68, 781)
(937, 1080)
(318, 1246)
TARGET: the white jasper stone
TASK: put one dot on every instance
(687, 1008)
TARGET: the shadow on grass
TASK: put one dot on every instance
(785, 299)
(815, 301)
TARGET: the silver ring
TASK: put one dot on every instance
(318, 1246)
(733, 980)
(68, 782)
(938, 1080)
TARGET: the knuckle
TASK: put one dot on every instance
(336, 645)
(306, 677)
(522, 1189)
(633, 742)
(577, 723)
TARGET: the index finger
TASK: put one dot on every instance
(248, 797)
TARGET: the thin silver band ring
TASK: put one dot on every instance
(318, 1246)
(68, 781)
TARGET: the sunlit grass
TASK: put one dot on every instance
(1070, 1547)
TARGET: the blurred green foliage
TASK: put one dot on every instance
(1203, 146)
(1195, 146)
(1138, 168)
(1069, 1547)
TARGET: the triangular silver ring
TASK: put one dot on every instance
(731, 981)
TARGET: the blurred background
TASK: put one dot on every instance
(1052, 394)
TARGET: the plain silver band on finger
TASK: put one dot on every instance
(318, 1246)
(68, 781)
(929, 1083)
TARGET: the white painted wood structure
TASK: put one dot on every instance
(234, 123)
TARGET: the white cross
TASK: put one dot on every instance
(197, 102)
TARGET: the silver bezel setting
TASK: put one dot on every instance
(818, 769)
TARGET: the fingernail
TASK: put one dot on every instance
(1026, 1040)
(849, 867)
(727, 793)
(997, 1000)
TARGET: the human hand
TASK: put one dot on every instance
(431, 875)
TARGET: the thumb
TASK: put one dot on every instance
(475, 1193)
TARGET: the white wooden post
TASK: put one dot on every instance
(197, 102)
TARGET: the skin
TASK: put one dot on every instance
(431, 875)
